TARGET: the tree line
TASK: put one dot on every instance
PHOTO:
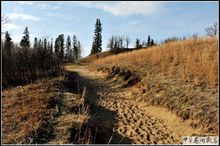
(23, 63)
(119, 43)
(116, 44)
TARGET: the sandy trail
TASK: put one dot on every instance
(136, 120)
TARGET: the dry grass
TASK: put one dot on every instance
(193, 60)
(94, 57)
(23, 110)
(180, 76)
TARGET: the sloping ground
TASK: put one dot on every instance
(24, 110)
(134, 119)
(51, 111)
(179, 76)
(91, 107)
(197, 105)
(94, 57)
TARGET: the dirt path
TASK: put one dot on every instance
(135, 121)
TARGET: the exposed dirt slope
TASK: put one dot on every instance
(135, 121)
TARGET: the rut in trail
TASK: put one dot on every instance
(135, 120)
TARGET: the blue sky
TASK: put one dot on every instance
(137, 19)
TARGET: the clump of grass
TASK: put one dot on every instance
(194, 60)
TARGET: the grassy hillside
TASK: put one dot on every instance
(181, 76)
(94, 57)
(193, 60)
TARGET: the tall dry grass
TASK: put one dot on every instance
(193, 60)
(24, 109)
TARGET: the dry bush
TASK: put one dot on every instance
(193, 60)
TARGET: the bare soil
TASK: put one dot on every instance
(136, 121)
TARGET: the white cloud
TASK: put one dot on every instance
(40, 5)
(10, 26)
(47, 7)
(124, 8)
(22, 16)
(26, 2)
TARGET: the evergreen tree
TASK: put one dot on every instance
(35, 43)
(152, 42)
(51, 45)
(56, 47)
(78, 50)
(8, 44)
(25, 42)
(138, 44)
(148, 41)
(61, 46)
(75, 48)
(7, 66)
(68, 47)
(45, 44)
(97, 40)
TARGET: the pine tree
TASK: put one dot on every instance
(148, 41)
(61, 46)
(151, 42)
(68, 47)
(7, 66)
(45, 44)
(57, 47)
(51, 45)
(35, 43)
(138, 44)
(75, 49)
(97, 40)
(8, 44)
(25, 42)
(78, 50)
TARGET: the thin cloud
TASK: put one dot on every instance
(11, 26)
(40, 5)
(26, 2)
(47, 7)
(22, 16)
(124, 8)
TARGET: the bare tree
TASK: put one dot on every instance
(212, 30)
(121, 41)
(127, 40)
(4, 20)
